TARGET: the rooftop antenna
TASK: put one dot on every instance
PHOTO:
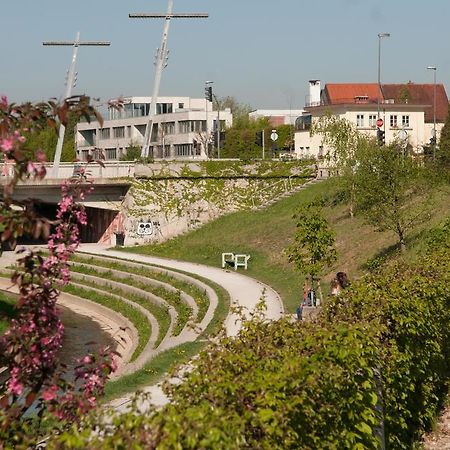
(160, 62)
(70, 82)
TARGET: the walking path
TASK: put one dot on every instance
(244, 292)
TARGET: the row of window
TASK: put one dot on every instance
(140, 109)
(185, 126)
(393, 120)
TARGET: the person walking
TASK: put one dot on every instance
(299, 312)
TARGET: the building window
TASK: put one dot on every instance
(360, 120)
(183, 150)
(105, 133)
(405, 121)
(168, 128)
(184, 126)
(393, 121)
(180, 105)
(111, 153)
(372, 120)
(164, 108)
(119, 132)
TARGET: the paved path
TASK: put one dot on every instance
(243, 290)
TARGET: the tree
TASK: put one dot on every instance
(240, 138)
(443, 151)
(239, 110)
(346, 146)
(30, 346)
(313, 248)
(47, 137)
(133, 153)
(392, 190)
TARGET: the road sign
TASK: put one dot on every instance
(274, 136)
(402, 135)
(379, 122)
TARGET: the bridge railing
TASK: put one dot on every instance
(111, 169)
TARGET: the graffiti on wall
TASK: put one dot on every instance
(116, 226)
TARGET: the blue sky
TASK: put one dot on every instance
(262, 52)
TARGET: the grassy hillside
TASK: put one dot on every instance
(265, 234)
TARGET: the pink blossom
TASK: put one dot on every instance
(7, 144)
(50, 394)
(15, 386)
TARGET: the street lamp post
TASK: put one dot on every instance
(380, 36)
(434, 69)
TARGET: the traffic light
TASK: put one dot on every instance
(259, 138)
(380, 136)
(209, 93)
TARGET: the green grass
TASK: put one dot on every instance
(196, 293)
(153, 371)
(136, 317)
(262, 234)
(160, 313)
(7, 310)
(265, 234)
(184, 311)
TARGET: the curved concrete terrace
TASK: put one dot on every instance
(244, 291)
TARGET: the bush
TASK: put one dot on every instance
(284, 385)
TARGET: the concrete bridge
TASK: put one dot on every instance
(103, 205)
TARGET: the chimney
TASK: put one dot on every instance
(314, 92)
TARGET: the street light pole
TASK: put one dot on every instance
(434, 69)
(380, 36)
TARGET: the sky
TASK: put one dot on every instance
(262, 52)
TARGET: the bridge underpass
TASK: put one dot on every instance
(103, 205)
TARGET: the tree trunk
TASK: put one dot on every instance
(401, 238)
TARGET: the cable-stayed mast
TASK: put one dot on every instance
(161, 62)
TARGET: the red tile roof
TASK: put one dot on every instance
(419, 94)
(411, 93)
(350, 92)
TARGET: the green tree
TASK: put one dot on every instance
(47, 138)
(393, 191)
(133, 153)
(313, 248)
(443, 152)
(239, 110)
(240, 138)
(346, 146)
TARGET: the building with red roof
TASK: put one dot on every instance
(407, 112)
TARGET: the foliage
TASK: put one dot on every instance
(378, 356)
(392, 191)
(133, 153)
(240, 138)
(346, 147)
(443, 151)
(31, 344)
(313, 247)
(239, 110)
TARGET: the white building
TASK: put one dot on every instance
(277, 116)
(182, 128)
(406, 110)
